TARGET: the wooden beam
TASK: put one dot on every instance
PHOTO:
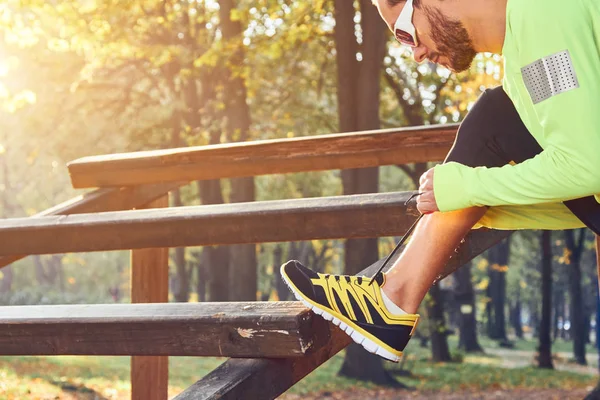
(265, 379)
(315, 153)
(250, 329)
(365, 215)
(150, 284)
(113, 199)
(261, 378)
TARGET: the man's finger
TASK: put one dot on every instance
(425, 209)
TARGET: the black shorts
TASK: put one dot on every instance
(492, 135)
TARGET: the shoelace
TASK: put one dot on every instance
(400, 243)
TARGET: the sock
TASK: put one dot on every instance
(390, 305)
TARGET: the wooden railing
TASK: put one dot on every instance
(337, 151)
(100, 221)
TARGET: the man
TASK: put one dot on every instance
(527, 156)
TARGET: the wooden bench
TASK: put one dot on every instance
(252, 329)
(96, 222)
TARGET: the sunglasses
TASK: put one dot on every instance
(404, 30)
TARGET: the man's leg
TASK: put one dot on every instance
(433, 242)
(491, 135)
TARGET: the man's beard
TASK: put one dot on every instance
(451, 39)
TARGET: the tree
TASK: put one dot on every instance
(243, 266)
(498, 267)
(545, 342)
(595, 394)
(358, 105)
(465, 297)
(572, 258)
(437, 326)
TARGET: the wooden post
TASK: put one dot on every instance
(150, 284)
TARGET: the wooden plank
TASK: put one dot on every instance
(113, 199)
(365, 215)
(150, 284)
(251, 329)
(314, 153)
(261, 378)
(265, 379)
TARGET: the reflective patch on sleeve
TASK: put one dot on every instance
(550, 76)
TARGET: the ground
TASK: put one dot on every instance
(382, 394)
(497, 374)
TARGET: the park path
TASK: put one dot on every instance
(394, 394)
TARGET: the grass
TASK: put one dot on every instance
(81, 377)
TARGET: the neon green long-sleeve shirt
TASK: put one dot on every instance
(561, 109)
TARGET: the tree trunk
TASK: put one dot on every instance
(282, 290)
(465, 297)
(243, 276)
(575, 246)
(214, 266)
(201, 283)
(534, 309)
(358, 102)
(545, 344)
(595, 394)
(489, 323)
(435, 310)
(498, 258)
(7, 273)
(557, 316)
(515, 315)
(587, 328)
(56, 273)
(181, 286)
(7, 280)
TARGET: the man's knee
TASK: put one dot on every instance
(473, 145)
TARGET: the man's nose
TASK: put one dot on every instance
(419, 53)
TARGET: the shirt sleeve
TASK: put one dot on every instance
(569, 165)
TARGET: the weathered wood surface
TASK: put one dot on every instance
(101, 200)
(263, 379)
(314, 153)
(150, 284)
(244, 329)
(366, 215)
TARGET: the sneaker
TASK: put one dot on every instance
(355, 306)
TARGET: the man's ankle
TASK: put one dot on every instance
(390, 305)
(395, 304)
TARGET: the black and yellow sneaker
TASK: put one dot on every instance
(355, 306)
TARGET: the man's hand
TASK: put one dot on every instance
(426, 203)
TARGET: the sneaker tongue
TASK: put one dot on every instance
(379, 278)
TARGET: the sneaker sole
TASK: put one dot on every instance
(354, 334)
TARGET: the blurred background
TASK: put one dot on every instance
(87, 77)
